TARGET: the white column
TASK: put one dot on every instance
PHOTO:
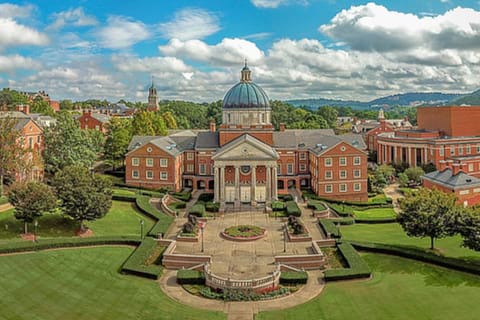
(269, 185)
(237, 183)
(409, 160)
(216, 185)
(253, 184)
(274, 184)
(222, 184)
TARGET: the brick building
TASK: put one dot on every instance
(246, 160)
(94, 121)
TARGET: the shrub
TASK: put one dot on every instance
(293, 277)
(344, 221)
(197, 210)
(278, 205)
(178, 205)
(206, 197)
(141, 261)
(3, 200)
(316, 205)
(357, 268)
(184, 196)
(293, 209)
(287, 197)
(185, 276)
(163, 221)
(329, 228)
(212, 206)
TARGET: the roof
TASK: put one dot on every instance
(448, 179)
(246, 95)
(207, 140)
(246, 138)
(21, 118)
(101, 117)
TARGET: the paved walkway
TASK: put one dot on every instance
(392, 191)
(242, 310)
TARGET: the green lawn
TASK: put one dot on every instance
(375, 213)
(400, 289)
(83, 284)
(392, 233)
(379, 198)
(124, 192)
(122, 219)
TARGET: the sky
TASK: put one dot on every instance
(194, 50)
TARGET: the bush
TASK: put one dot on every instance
(206, 197)
(292, 209)
(3, 200)
(418, 254)
(197, 210)
(185, 276)
(178, 205)
(163, 221)
(287, 197)
(142, 261)
(316, 205)
(293, 277)
(357, 268)
(212, 206)
(329, 228)
(184, 196)
(278, 205)
(344, 221)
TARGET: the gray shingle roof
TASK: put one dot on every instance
(207, 140)
(103, 118)
(448, 179)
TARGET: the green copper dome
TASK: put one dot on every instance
(246, 94)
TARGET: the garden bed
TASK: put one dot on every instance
(244, 233)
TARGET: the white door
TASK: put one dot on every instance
(229, 194)
(260, 193)
(245, 194)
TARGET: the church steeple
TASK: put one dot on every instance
(246, 73)
(153, 98)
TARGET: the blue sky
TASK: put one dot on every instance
(296, 48)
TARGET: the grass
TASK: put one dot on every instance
(83, 284)
(375, 213)
(122, 219)
(400, 289)
(124, 192)
(392, 233)
(379, 198)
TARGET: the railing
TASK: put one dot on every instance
(218, 282)
(164, 204)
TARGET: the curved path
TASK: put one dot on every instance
(242, 310)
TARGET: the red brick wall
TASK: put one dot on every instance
(452, 121)
(470, 199)
(89, 122)
(227, 136)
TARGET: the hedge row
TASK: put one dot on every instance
(293, 277)
(163, 220)
(357, 268)
(418, 254)
(278, 205)
(184, 196)
(197, 210)
(185, 276)
(316, 205)
(292, 209)
(376, 220)
(44, 244)
(329, 228)
(138, 262)
(344, 221)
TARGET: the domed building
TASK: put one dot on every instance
(246, 161)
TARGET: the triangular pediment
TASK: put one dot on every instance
(248, 148)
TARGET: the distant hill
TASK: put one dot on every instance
(469, 99)
(404, 99)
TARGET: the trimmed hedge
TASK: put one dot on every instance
(184, 196)
(197, 210)
(357, 268)
(278, 205)
(163, 221)
(124, 197)
(185, 276)
(292, 209)
(44, 244)
(329, 228)
(316, 205)
(137, 263)
(418, 254)
(376, 220)
(293, 277)
(212, 206)
(206, 197)
(344, 221)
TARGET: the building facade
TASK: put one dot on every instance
(94, 121)
(246, 160)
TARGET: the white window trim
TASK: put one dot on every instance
(355, 163)
(303, 167)
(190, 156)
(166, 162)
(340, 187)
(331, 188)
(290, 169)
(135, 177)
(146, 174)
(135, 162)
(355, 173)
(340, 174)
(146, 162)
(162, 173)
(340, 161)
(204, 171)
(357, 189)
(330, 176)
(328, 160)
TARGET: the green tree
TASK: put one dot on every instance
(169, 120)
(329, 114)
(11, 154)
(66, 144)
(147, 123)
(31, 200)
(83, 195)
(403, 180)
(415, 174)
(66, 105)
(387, 171)
(118, 137)
(428, 213)
(41, 106)
(10, 98)
(469, 227)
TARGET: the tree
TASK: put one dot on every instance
(66, 105)
(329, 114)
(415, 174)
(469, 227)
(387, 171)
(11, 154)
(403, 180)
(31, 200)
(169, 120)
(82, 195)
(147, 123)
(118, 137)
(428, 213)
(66, 144)
(41, 106)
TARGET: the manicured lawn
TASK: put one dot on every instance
(379, 198)
(122, 219)
(83, 284)
(124, 192)
(392, 233)
(400, 289)
(375, 213)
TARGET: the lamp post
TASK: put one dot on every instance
(142, 222)
(285, 237)
(35, 224)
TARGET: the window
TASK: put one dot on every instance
(38, 139)
(30, 142)
(469, 149)
(190, 156)
(460, 149)
(356, 161)
(149, 174)
(279, 169)
(452, 150)
(97, 128)
(149, 162)
(135, 162)
(328, 174)
(328, 188)
(343, 174)
(478, 148)
(343, 161)
(190, 167)
(163, 163)
(343, 187)
(203, 168)
(356, 173)
(470, 167)
(163, 175)
(303, 167)
(303, 156)
(328, 162)
(289, 168)
(442, 151)
(135, 174)
(357, 187)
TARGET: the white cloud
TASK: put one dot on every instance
(226, 53)
(9, 10)
(14, 62)
(14, 34)
(75, 17)
(153, 64)
(276, 3)
(122, 32)
(190, 24)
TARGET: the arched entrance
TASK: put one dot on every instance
(201, 185)
(188, 183)
(291, 184)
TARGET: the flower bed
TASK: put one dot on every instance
(244, 233)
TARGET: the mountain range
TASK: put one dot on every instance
(403, 99)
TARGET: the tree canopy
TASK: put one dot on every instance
(11, 155)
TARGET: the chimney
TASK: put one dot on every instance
(281, 127)
(25, 108)
(442, 165)
(213, 127)
(456, 168)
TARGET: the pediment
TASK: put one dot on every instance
(246, 147)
